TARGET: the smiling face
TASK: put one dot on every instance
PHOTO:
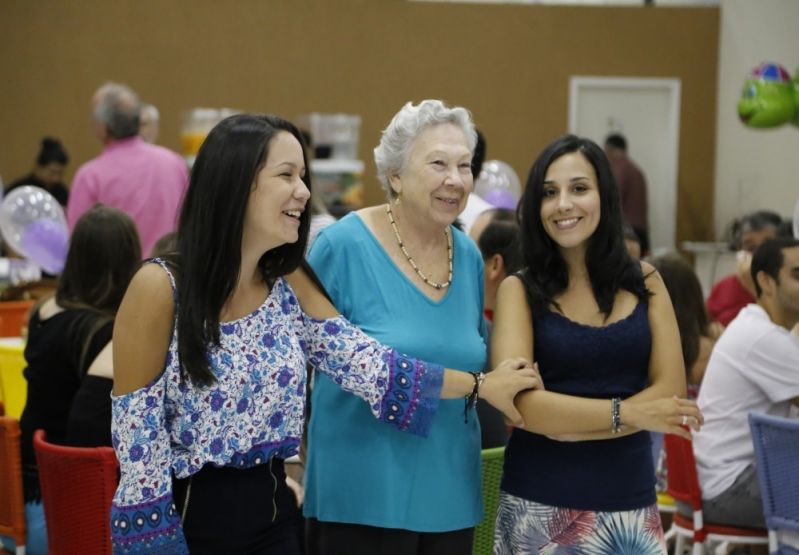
(278, 196)
(570, 203)
(437, 178)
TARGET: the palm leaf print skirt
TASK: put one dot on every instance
(527, 528)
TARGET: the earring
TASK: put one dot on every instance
(398, 199)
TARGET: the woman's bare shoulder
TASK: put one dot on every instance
(312, 301)
(143, 329)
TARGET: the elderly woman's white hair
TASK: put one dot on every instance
(391, 154)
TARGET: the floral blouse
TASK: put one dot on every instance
(255, 410)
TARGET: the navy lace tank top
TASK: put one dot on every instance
(597, 362)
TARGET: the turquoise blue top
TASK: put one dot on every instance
(360, 471)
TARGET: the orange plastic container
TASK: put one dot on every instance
(14, 317)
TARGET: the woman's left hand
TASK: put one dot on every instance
(502, 384)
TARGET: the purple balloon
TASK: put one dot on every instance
(45, 242)
(500, 198)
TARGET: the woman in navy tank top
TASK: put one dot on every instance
(579, 475)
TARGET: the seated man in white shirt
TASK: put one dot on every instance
(754, 367)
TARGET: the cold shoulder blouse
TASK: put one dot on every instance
(254, 411)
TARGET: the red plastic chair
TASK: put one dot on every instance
(2, 409)
(77, 487)
(12, 502)
(683, 485)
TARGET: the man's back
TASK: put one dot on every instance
(145, 181)
(632, 189)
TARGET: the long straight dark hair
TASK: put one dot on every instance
(104, 253)
(210, 232)
(610, 268)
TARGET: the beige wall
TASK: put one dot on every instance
(755, 168)
(509, 64)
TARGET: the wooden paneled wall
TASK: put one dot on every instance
(509, 65)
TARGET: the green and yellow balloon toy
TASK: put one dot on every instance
(769, 97)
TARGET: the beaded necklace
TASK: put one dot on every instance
(416, 269)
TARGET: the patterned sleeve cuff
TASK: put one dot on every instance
(413, 393)
(151, 527)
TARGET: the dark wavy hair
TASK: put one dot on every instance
(104, 253)
(610, 268)
(211, 227)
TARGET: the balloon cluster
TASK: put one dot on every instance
(498, 185)
(33, 224)
(770, 97)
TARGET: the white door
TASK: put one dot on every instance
(647, 113)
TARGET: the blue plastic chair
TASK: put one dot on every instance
(776, 442)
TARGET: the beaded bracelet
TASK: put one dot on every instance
(615, 415)
(471, 398)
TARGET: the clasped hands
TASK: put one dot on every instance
(508, 379)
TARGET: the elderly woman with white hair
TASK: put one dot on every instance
(404, 274)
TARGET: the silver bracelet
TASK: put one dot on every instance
(615, 415)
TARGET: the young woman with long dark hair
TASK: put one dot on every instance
(601, 329)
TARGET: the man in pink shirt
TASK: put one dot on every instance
(145, 181)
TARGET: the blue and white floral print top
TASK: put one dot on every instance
(255, 410)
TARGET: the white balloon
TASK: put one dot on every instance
(497, 175)
(23, 206)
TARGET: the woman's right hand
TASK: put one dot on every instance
(502, 384)
(667, 415)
